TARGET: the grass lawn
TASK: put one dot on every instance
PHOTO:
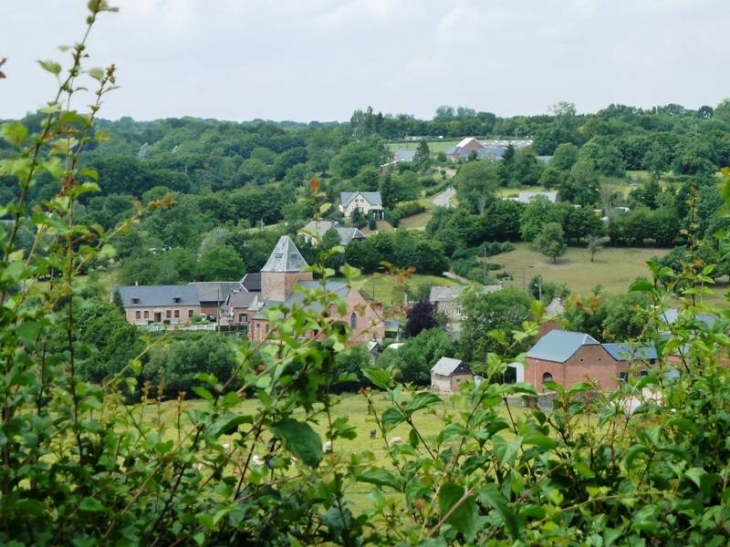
(416, 222)
(614, 268)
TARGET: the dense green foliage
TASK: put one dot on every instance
(645, 465)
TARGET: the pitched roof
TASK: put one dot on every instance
(298, 296)
(251, 282)
(317, 228)
(285, 257)
(241, 299)
(373, 198)
(446, 366)
(624, 352)
(159, 295)
(444, 293)
(466, 141)
(215, 291)
(560, 345)
(405, 155)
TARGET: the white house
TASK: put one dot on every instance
(447, 375)
(361, 201)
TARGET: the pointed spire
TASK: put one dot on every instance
(285, 257)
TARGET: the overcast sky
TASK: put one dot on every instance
(322, 59)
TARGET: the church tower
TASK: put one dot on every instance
(283, 270)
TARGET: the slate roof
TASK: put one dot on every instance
(215, 291)
(297, 296)
(317, 228)
(443, 293)
(624, 352)
(559, 345)
(148, 296)
(252, 282)
(242, 299)
(446, 366)
(525, 197)
(285, 257)
(405, 155)
(373, 198)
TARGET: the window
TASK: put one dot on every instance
(267, 328)
(146, 314)
(177, 314)
(138, 314)
(177, 300)
(168, 314)
(190, 314)
(547, 377)
(353, 320)
(242, 318)
(135, 300)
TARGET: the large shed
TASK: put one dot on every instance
(447, 375)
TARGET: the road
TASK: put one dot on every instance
(444, 198)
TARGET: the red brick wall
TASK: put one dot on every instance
(278, 285)
(589, 363)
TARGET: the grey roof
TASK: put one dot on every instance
(624, 352)
(215, 291)
(446, 366)
(440, 293)
(251, 282)
(158, 295)
(444, 293)
(317, 228)
(525, 197)
(405, 155)
(241, 299)
(298, 296)
(672, 314)
(560, 345)
(285, 257)
(555, 307)
(373, 198)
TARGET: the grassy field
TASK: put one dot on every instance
(614, 268)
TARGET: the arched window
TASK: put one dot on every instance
(547, 377)
(353, 320)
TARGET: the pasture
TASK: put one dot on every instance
(614, 268)
(388, 288)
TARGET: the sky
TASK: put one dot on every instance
(308, 60)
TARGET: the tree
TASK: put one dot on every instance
(422, 158)
(476, 184)
(421, 316)
(418, 355)
(484, 313)
(221, 264)
(551, 241)
(538, 212)
(594, 244)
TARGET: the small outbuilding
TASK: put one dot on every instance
(447, 375)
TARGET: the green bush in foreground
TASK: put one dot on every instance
(79, 467)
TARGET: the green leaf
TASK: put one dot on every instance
(462, 509)
(379, 477)
(634, 453)
(391, 418)
(91, 505)
(538, 439)
(300, 439)
(51, 66)
(380, 377)
(422, 400)
(203, 393)
(14, 132)
(641, 285)
(490, 495)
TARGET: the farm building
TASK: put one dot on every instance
(447, 375)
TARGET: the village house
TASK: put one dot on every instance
(315, 230)
(286, 280)
(163, 304)
(448, 374)
(364, 202)
(567, 358)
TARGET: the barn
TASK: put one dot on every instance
(447, 375)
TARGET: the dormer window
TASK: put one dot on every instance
(135, 300)
(177, 300)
